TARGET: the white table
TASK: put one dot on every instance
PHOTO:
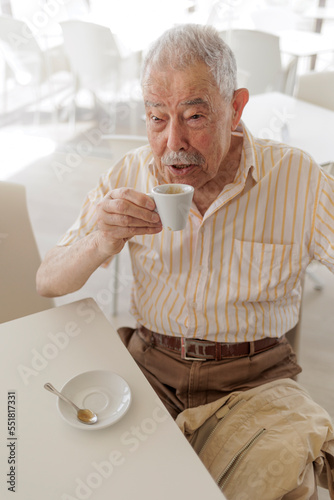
(304, 43)
(320, 14)
(300, 44)
(142, 456)
(295, 122)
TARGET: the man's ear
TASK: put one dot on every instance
(239, 101)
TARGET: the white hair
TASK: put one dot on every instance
(184, 45)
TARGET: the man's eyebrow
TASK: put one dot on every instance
(150, 104)
(188, 102)
(192, 102)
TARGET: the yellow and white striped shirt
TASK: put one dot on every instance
(234, 274)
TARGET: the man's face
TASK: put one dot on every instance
(189, 124)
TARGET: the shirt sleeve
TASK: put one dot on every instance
(324, 223)
(86, 221)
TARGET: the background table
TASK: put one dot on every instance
(295, 122)
(320, 14)
(142, 456)
(304, 43)
(301, 44)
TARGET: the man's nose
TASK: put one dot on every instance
(177, 136)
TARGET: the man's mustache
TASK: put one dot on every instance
(182, 158)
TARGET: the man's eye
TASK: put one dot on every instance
(155, 119)
(196, 117)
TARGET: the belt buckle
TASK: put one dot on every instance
(184, 352)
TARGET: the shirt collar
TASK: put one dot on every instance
(248, 158)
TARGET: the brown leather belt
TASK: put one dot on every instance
(196, 349)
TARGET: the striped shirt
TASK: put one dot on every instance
(235, 273)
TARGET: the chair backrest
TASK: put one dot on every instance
(19, 257)
(92, 52)
(20, 49)
(316, 88)
(258, 55)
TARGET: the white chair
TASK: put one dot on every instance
(316, 88)
(96, 61)
(27, 63)
(258, 55)
(19, 257)
(294, 335)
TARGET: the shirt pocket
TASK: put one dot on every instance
(264, 271)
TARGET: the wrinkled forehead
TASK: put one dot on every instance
(192, 79)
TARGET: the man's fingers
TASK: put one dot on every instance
(126, 221)
(114, 233)
(132, 204)
(128, 209)
(136, 197)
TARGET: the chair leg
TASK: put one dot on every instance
(5, 87)
(318, 284)
(115, 288)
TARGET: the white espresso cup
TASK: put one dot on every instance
(173, 203)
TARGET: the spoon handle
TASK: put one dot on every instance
(49, 387)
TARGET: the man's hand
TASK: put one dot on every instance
(122, 214)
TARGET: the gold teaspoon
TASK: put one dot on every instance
(84, 415)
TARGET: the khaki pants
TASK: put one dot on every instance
(183, 384)
(280, 442)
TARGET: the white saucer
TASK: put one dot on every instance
(104, 392)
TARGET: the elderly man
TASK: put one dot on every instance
(213, 301)
(226, 289)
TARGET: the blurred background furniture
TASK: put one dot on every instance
(274, 18)
(319, 14)
(258, 55)
(305, 45)
(294, 335)
(278, 116)
(28, 65)
(296, 34)
(19, 257)
(317, 88)
(98, 65)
